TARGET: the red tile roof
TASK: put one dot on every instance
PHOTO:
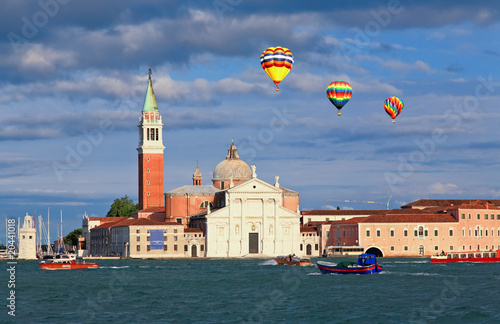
(152, 210)
(115, 220)
(309, 229)
(447, 202)
(192, 230)
(102, 219)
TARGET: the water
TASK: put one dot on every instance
(254, 290)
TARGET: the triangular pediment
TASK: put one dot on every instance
(254, 185)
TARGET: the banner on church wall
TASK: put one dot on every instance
(156, 239)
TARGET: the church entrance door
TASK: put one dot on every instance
(253, 241)
(194, 251)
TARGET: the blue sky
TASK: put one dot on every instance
(73, 76)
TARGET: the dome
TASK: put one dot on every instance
(232, 167)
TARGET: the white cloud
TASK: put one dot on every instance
(37, 57)
(439, 188)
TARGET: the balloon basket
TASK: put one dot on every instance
(277, 89)
(338, 114)
(393, 121)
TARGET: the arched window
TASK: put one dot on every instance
(205, 204)
(421, 232)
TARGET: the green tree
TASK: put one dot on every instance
(123, 207)
(72, 238)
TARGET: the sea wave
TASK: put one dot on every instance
(114, 267)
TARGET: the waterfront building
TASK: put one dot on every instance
(144, 238)
(88, 223)
(421, 228)
(27, 239)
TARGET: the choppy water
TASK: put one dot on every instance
(245, 290)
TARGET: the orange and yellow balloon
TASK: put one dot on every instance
(277, 62)
(393, 107)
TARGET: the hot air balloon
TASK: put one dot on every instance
(393, 107)
(339, 93)
(277, 62)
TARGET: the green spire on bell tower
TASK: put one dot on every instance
(150, 100)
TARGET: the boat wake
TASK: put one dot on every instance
(115, 267)
(268, 262)
(419, 261)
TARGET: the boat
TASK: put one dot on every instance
(366, 264)
(292, 259)
(477, 256)
(66, 262)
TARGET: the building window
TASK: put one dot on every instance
(485, 216)
(415, 233)
(451, 247)
(426, 232)
(301, 247)
(469, 216)
(138, 238)
(148, 238)
(138, 248)
(436, 232)
(478, 216)
(392, 233)
(185, 248)
(327, 234)
(175, 238)
(406, 248)
(392, 247)
(175, 247)
(451, 232)
(147, 159)
(486, 232)
(367, 233)
(486, 247)
(138, 231)
(147, 170)
(463, 216)
(316, 247)
(420, 232)
(436, 248)
(165, 247)
(202, 248)
(148, 182)
(149, 247)
(498, 217)
(205, 204)
(405, 232)
(165, 237)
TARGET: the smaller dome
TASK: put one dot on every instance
(232, 167)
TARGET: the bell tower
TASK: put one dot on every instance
(150, 153)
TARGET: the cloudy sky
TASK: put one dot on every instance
(73, 76)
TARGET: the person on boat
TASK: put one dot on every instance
(442, 252)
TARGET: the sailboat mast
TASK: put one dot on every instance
(49, 248)
(62, 241)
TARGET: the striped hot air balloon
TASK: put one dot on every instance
(277, 62)
(393, 107)
(339, 93)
